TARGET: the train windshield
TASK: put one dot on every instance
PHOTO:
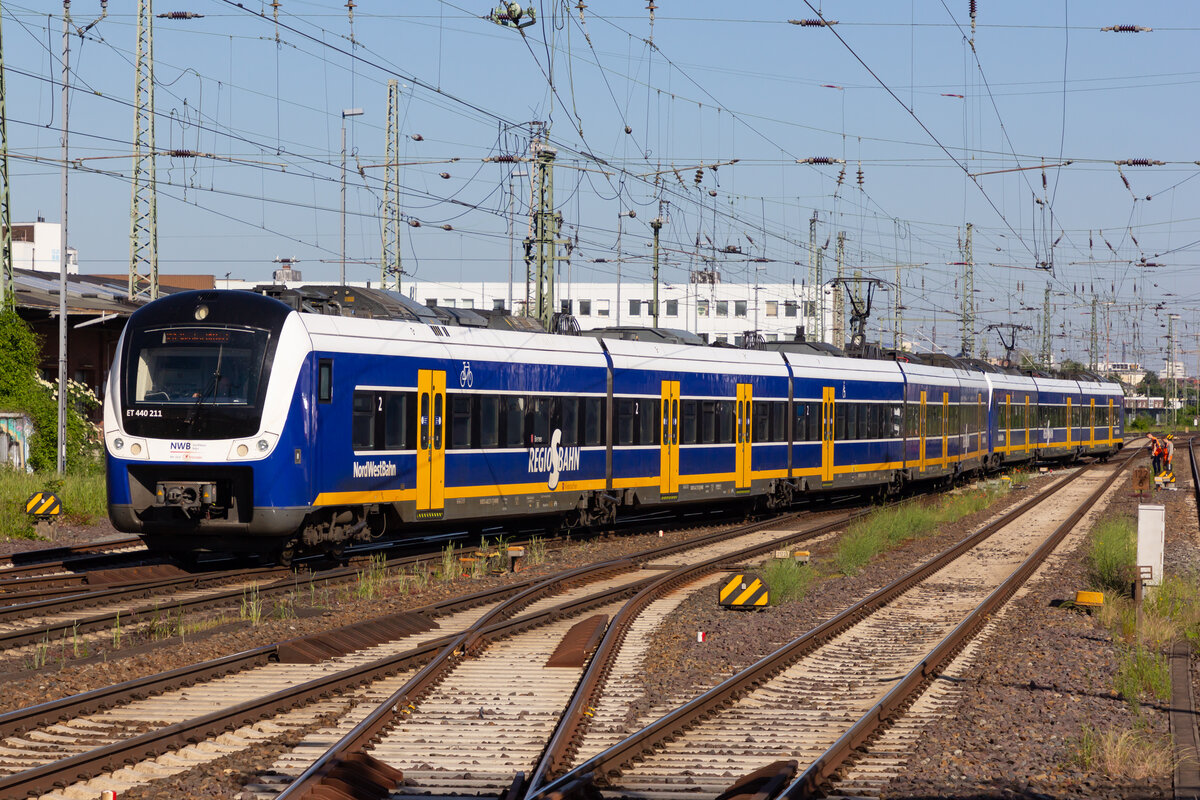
(197, 365)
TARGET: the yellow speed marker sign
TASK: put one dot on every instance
(43, 504)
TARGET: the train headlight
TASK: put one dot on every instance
(242, 450)
(201, 312)
(263, 445)
(118, 443)
(135, 448)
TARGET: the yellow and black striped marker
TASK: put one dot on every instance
(744, 590)
(43, 504)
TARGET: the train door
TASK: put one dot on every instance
(745, 396)
(1071, 423)
(1027, 421)
(921, 432)
(1092, 423)
(668, 470)
(431, 444)
(1008, 423)
(827, 429)
(946, 429)
(1110, 420)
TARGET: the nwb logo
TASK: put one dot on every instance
(179, 447)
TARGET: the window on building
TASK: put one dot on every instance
(585, 308)
(772, 337)
(497, 305)
(772, 308)
(467, 302)
(810, 308)
(789, 308)
(722, 338)
(702, 308)
(431, 302)
(672, 308)
(449, 302)
(739, 340)
(635, 308)
(601, 308)
(565, 306)
(739, 308)
(722, 308)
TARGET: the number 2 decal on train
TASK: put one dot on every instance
(554, 459)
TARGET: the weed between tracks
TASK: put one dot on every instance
(1136, 755)
(887, 528)
(788, 579)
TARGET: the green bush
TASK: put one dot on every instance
(787, 580)
(1143, 673)
(22, 390)
(1111, 555)
(82, 495)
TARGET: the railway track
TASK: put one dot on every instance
(810, 705)
(444, 753)
(268, 683)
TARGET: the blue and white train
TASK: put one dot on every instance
(235, 423)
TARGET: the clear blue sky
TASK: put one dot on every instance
(264, 102)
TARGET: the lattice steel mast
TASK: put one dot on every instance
(6, 276)
(389, 262)
(143, 212)
(968, 331)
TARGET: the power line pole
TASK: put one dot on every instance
(7, 295)
(814, 276)
(1171, 365)
(143, 213)
(1047, 353)
(656, 226)
(389, 258)
(1092, 339)
(545, 234)
(62, 265)
(898, 325)
(968, 331)
(839, 308)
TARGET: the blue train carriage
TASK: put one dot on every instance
(934, 420)
(848, 422)
(208, 428)
(1103, 411)
(697, 423)
(1060, 426)
(431, 423)
(1013, 420)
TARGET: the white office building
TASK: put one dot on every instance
(716, 311)
(38, 246)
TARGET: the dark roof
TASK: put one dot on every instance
(86, 294)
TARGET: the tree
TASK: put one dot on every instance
(1151, 386)
(22, 390)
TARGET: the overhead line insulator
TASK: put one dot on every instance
(814, 23)
(1127, 29)
(180, 15)
(1139, 162)
(820, 160)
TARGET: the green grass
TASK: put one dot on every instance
(787, 579)
(1142, 674)
(887, 528)
(1111, 555)
(82, 495)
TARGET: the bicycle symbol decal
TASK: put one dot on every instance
(466, 378)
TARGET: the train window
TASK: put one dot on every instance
(513, 423)
(362, 428)
(399, 423)
(897, 420)
(725, 421)
(625, 421)
(761, 429)
(708, 422)
(489, 420)
(325, 380)
(648, 414)
(423, 421)
(569, 421)
(439, 420)
(779, 432)
(460, 421)
(593, 421)
(839, 421)
(865, 431)
(538, 412)
(801, 423)
(687, 433)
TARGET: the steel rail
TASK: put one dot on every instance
(54, 556)
(806, 784)
(85, 765)
(404, 700)
(545, 783)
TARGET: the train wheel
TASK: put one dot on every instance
(287, 554)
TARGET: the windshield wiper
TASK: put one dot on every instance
(194, 414)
